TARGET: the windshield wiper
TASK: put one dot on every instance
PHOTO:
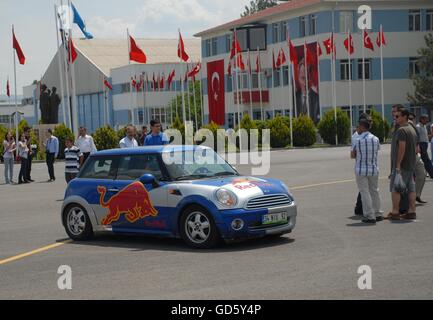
(191, 176)
(225, 173)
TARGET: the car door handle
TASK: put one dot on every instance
(113, 190)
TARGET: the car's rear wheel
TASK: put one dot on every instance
(77, 223)
(198, 229)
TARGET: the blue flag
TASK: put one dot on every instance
(79, 21)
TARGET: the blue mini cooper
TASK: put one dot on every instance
(174, 191)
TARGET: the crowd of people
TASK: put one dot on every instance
(76, 152)
(410, 165)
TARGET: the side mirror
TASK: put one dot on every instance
(148, 179)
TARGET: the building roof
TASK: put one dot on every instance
(261, 15)
(107, 54)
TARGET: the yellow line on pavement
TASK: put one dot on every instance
(31, 253)
(327, 184)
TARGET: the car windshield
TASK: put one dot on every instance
(196, 164)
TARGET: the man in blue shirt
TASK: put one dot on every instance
(52, 151)
(156, 138)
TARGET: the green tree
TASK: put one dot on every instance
(62, 132)
(304, 132)
(380, 127)
(258, 5)
(192, 108)
(280, 132)
(106, 138)
(3, 131)
(423, 81)
(327, 127)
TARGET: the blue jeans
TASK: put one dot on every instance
(9, 169)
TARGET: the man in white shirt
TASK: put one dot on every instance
(365, 151)
(423, 144)
(85, 143)
(129, 141)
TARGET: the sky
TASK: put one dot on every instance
(35, 26)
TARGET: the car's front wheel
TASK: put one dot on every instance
(198, 229)
(77, 223)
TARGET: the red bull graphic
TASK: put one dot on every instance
(245, 183)
(133, 201)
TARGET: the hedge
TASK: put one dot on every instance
(304, 132)
(106, 138)
(327, 128)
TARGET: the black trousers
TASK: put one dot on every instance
(85, 156)
(50, 165)
(70, 176)
(426, 159)
(29, 167)
(23, 170)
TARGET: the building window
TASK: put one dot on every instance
(283, 31)
(313, 25)
(346, 21)
(207, 47)
(413, 67)
(214, 46)
(285, 76)
(125, 88)
(302, 26)
(275, 33)
(429, 22)
(414, 20)
(367, 64)
(158, 114)
(344, 70)
(257, 37)
(277, 79)
(228, 43)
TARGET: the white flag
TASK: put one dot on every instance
(66, 17)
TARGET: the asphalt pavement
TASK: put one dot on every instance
(319, 260)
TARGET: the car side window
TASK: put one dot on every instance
(134, 166)
(99, 168)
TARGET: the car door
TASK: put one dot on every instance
(142, 208)
(98, 182)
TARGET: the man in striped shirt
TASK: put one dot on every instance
(73, 160)
(365, 151)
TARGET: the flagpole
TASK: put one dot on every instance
(363, 70)
(259, 75)
(74, 93)
(273, 82)
(318, 72)
(175, 95)
(16, 99)
(65, 66)
(334, 93)
(250, 77)
(290, 88)
(130, 80)
(195, 103)
(282, 79)
(350, 79)
(237, 80)
(201, 100)
(62, 90)
(381, 80)
(307, 89)
(181, 83)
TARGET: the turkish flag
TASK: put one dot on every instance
(181, 53)
(274, 66)
(216, 93)
(72, 55)
(381, 39)
(348, 44)
(195, 71)
(367, 41)
(135, 53)
(107, 84)
(171, 77)
(162, 82)
(229, 68)
(319, 50)
(17, 48)
(281, 60)
(258, 64)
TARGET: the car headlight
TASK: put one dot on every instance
(226, 197)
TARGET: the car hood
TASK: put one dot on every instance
(246, 186)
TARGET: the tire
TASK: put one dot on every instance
(77, 223)
(198, 229)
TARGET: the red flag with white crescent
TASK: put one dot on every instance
(216, 93)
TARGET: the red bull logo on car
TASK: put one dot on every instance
(245, 183)
(133, 202)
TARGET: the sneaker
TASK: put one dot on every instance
(419, 200)
(369, 221)
(379, 219)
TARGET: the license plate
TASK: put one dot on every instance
(275, 218)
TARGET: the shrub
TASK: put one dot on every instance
(106, 138)
(214, 128)
(380, 127)
(304, 132)
(179, 125)
(3, 131)
(247, 123)
(121, 133)
(62, 132)
(280, 133)
(327, 127)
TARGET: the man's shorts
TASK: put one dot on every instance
(408, 179)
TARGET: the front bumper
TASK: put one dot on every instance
(253, 227)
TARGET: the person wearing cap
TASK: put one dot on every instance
(365, 150)
(423, 144)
